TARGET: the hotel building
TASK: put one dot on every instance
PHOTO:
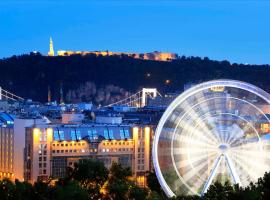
(51, 149)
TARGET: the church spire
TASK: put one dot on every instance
(51, 52)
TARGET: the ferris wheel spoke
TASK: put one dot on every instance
(199, 157)
(207, 137)
(192, 115)
(197, 139)
(200, 125)
(253, 161)
(236, 134)
(250, 153)
(246, 144)
(249, 169)
(193, 171)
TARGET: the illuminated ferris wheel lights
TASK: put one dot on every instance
(208, 135)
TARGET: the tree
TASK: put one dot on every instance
(91, 175)
(69, 191)
(152, 182)
(118, 183)
(138, 193)
(24, 191)
(7, 190)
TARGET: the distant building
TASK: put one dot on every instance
(72, 118)
(156, 55)
(6, 152)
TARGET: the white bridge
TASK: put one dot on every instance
(6, 95)
(138, 99)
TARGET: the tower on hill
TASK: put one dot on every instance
(51, 52)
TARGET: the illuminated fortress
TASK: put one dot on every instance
(156, 55)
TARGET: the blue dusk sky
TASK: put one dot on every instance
(238, 31)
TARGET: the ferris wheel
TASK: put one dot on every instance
(215, 131)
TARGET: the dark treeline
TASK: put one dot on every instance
(91, 180)
(30, 75)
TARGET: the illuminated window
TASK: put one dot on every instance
(127, 134)
(72, 135)
(56, 136)
(122, 134)
(61, 135)
(111, 134)
(79, 136)
(90, 134)
(106, 134)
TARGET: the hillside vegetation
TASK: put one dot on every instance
(104, 79)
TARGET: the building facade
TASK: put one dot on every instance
(51, 149)
(6, 152)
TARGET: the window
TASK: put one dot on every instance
(72, 135)
(79, 136)
(44, 158)
(106, 134)
(90, 134)
(93, 134)
(61, 135)
(127, 133)
(56, 136)
(122, 134)
(111, 134)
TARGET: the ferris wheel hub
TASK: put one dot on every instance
(223, 148)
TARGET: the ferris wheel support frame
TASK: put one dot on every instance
(217, 162)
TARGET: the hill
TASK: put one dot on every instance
(105, 79)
